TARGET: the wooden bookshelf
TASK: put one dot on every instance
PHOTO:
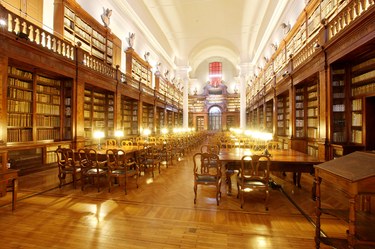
(231, 122)
(98, 112)
(300, 111)
(283, 115)
(148, 117)
(35, 104)
(160, 120)
(269, 116)
(357, 121)
(48, 108)
(20, 96)
(137, 68)
(363, 78)
(68, 110)
(78, 27)
(312, 110)
(261, 117)
(129, 109)
(169, 118)
(200, 123)
(338, 105)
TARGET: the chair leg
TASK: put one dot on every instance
(195, 194)
(267, 197)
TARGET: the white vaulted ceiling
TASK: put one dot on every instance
(195, 32)
(200, 29)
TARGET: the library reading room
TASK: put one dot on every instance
(187, 124)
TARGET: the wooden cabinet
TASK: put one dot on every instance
(35, 104)
(353, 174)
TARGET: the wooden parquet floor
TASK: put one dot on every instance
(159, 214)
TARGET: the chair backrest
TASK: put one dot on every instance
(111, 142)
(88, 158)
(126, 143)
(115, 158)
(207, 164)
(273, 145)
(210, 148)
(65, 157)
(255, 166)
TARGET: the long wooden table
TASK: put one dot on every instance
(281, 160)
(6, 176)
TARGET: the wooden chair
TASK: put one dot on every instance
(210, 148)
(91, 167)
(120, 168)
(126, 143)
(67, 164)
(111, 142)
(207, 171)
(273, 145)
(254, 174)
(149, 158)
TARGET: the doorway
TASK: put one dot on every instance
(214, 119)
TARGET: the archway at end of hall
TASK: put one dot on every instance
(214, 118)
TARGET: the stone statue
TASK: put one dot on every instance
(131, 39)
(106, 17)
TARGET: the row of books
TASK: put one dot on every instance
(21, 73)
(19, 106)
(15, 93)
(47, 121)
(19, 119)
(47, 109)
(19, 135)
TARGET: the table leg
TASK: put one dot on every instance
(14, 193)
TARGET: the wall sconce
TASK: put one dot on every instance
(286, 73)
(166, 73)
(98, 135)
(286, 27)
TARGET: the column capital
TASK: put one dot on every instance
(183, 72)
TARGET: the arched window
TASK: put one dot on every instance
(214, 119)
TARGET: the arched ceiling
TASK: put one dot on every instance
(200, 29)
